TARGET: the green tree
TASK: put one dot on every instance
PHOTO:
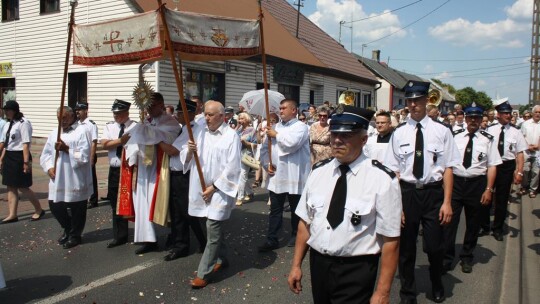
(450, 88)
(468, 95)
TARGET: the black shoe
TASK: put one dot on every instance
(72, 242)
(447, 267)
(13, 220)
(291, 242)
(466, 267)
(267, 247)
(63, 239)
(408, 301)
(438, 295)
(148, 247)
(173, 255)
(498, 236)
(483, 232)
(115, 243)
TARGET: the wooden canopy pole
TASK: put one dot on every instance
(179, 84)
(265, 80)
(73, 4)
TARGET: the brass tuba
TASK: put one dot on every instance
(434, 97)
(347, 98)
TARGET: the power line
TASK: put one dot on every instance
(492, 76)
(453, 60)
(470, 70)
(401, 29)
(370, 17)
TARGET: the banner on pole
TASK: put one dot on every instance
(201, 37)
(129, 40)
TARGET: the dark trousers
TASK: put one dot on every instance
(94, 196)
(180, 219)
(120, 224)
(466, 195)
(420, 206)
(277, 201)
(73, 224)
(503, 184)
(342, 280)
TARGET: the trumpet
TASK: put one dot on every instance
(347, 98)
(434, 97)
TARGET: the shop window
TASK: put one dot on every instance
(290, 92)
(49, 6)
(206, 85)
(77, 88)
(10, 10)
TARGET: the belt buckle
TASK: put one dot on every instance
(419, 185)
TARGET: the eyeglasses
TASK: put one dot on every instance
(323, 116)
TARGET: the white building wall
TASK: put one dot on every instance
(384, 95)
(37, 48)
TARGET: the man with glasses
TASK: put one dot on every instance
(511, 144)
(378, 143)
(531, 132)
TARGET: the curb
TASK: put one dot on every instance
(512, 269)
(530, 256)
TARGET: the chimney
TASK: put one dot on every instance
(376, 55)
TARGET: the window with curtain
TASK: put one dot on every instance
(10, 10)
(49, 6)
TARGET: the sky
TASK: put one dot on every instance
(483, 44)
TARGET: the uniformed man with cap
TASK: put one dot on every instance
(81, 110)
(473, 186)
(422, 152)
(510, 145)
(229, 117)
(113, 140)
(350, 228)
(181, 221)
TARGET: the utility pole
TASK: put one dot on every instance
(299, 3)
(534, 84)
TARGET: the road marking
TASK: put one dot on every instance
(99, 282)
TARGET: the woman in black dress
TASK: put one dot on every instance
(16, 162)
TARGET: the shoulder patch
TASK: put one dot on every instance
(486, 134)
(321, 163)
(387, 170)
(456, 132)
(401, 124)
(91, 121)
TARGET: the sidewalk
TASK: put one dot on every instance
(41, 182)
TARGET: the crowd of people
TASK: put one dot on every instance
(361, 185)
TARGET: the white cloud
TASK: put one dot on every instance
(330, 12)
(461, 32)
(443, 75)
(521, 9)
(428, 68)
(481, 83)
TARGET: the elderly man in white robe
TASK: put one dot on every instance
(142, 149)
(218, 148)
(291, 164)
(70, 183)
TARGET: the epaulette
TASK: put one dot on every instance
(110, 122)
(401, 124)
(377, 164)
(91, 121)
(456, 132)
(486, 134)
(513, 125)
(22, 120)
(321, 163)
(493, 125)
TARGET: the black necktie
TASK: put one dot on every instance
(418, 166)
(501, 142)
(467, 159)
(119, 148)
(337, 203)
(6, 140)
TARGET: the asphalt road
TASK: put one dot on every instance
(37, 270)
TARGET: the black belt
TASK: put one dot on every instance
(178, 173)
(420, 186)
(469, 179)
(345, 260)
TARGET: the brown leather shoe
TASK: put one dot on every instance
(217, 267)
(198, 283)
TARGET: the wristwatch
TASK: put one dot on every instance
(490, 189)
